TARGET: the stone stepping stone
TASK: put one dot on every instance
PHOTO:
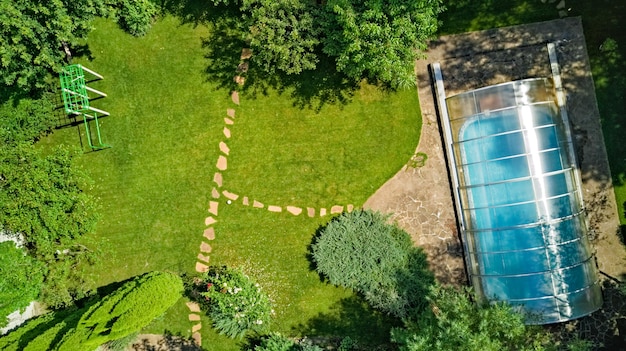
(294, 210)
(235, 97)
(204, 258)
(230, 195)
(243, 67)
(273, 208)
(204, 247)
(194, 317)
(197, 338)
(230, 112)
(196, 327)
(227, 133)
(209, 221)
(322, 212)
(201, 268)
(224, 148)
(217, 178)
(246, 201)
(350, 208)
(310, 211)
(193, 307)
(336, 209)
(215, 193)
(222, 163)
(228, 121)
(560, 5)
(257, 204)
(240, 80)
(209, 233)
(246, 53)
(213, 207)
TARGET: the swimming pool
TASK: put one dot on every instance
(523, 223)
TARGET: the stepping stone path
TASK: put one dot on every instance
(272, 208)
(203, 258)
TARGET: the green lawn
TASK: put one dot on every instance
(292, 144)
(601, 20)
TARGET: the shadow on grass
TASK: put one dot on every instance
(351, 317)
(168, 342)
(310, 89)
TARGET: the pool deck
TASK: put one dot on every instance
(420, 199)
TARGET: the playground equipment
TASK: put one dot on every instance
(76, 100)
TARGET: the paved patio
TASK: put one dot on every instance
(421, 199)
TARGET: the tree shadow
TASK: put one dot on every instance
(467, 15)
(352, 317)
(168, 342)
(309, 89)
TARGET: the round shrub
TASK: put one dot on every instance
(361, 251)
(236, 304)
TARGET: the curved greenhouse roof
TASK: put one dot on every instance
(519, 200)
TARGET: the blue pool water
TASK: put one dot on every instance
(522, 213)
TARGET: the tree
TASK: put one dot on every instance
(20, 279)
(125, 311)
(283, 34)
(25, 119)
(361, 251)
(455, 322)
(41, 197)
(135, 16)
(32, 33)
(379, 39)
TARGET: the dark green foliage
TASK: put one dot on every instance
(376, 39)
(455, 322)
(25, 119)
(278, 342)
(379, 39)
(20, 279)
(283, 34)
(41, 197)
(135, 16)
(124, 312)
(32, 32)
(235, 303)
(360, 251)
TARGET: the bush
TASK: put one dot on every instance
(235, 303)
(25, 120)
(20, 279)
(278, 342)
(455, 322)
(135, 16)
(360, 251)
(125, 311)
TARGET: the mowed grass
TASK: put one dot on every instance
(154, 184)
(601, 21)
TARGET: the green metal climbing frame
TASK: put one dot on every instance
(76, 100)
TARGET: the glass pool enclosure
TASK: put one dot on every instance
(519, 200)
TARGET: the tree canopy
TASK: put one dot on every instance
(125, 311)
(32, 33)
(20, 279)
(379, 39)
(375, 39)
(360, 251)
(455, 322)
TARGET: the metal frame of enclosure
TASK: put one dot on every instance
(518, 196)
